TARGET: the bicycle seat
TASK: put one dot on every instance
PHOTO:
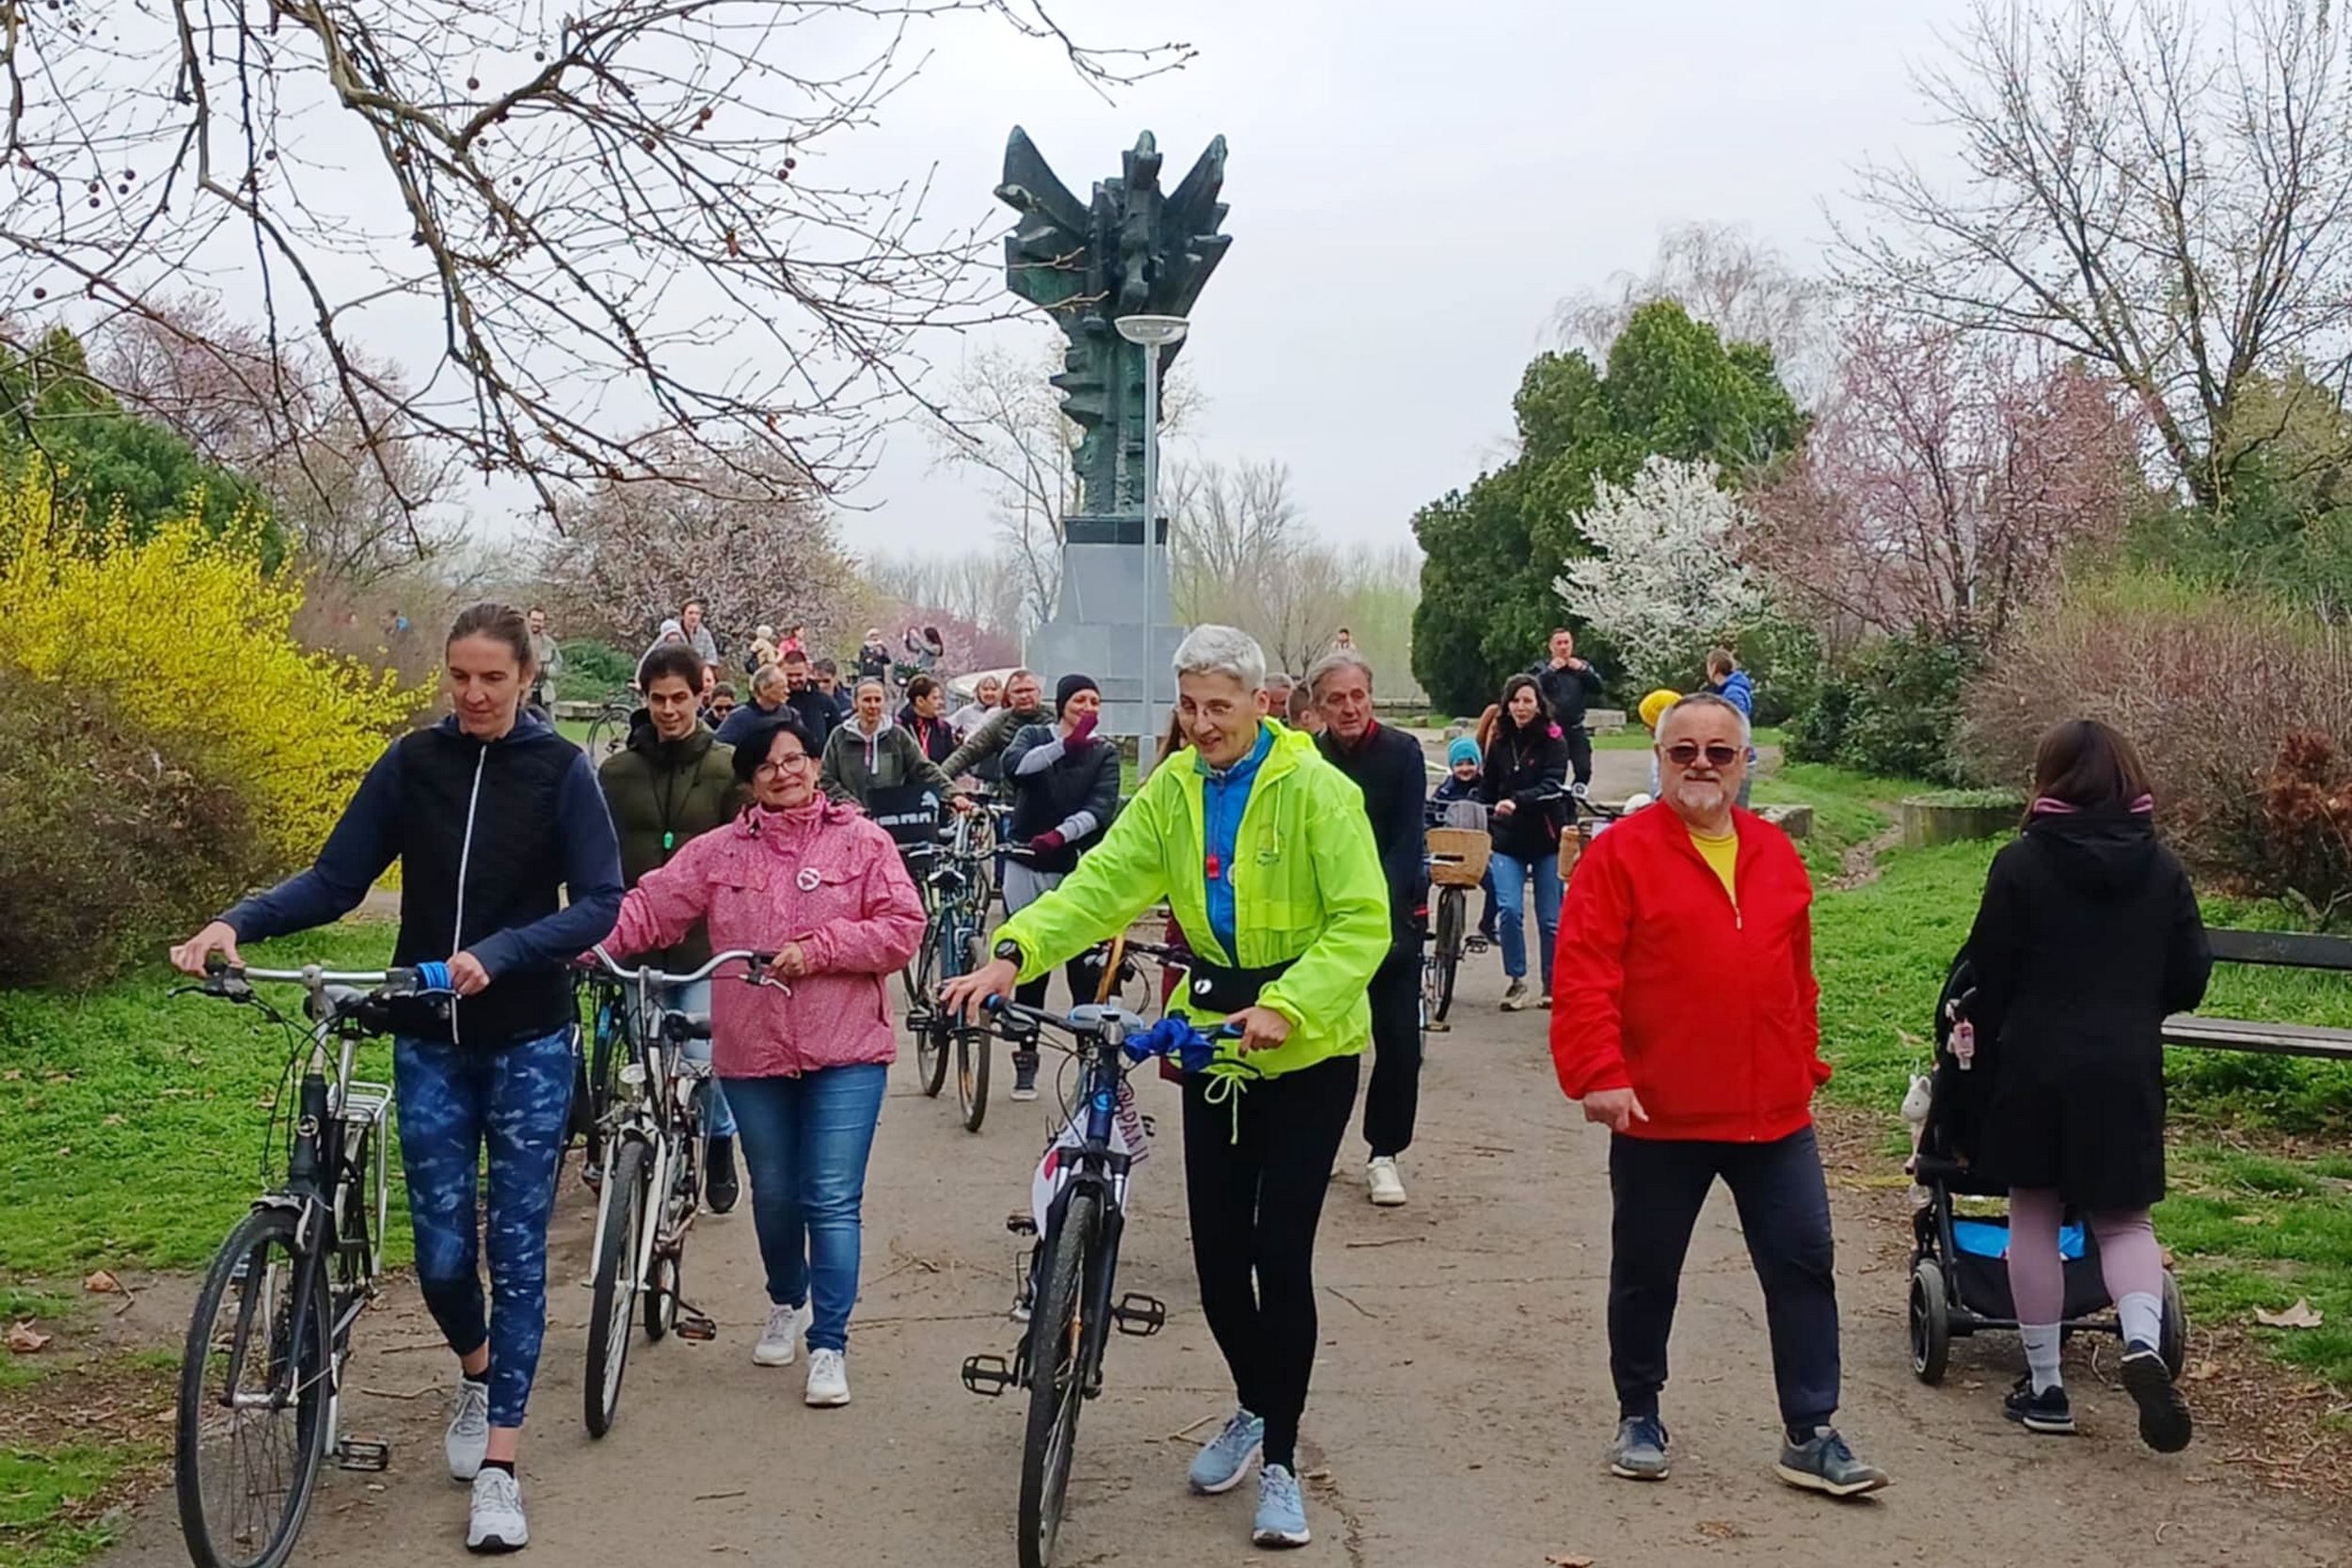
(686, 1026)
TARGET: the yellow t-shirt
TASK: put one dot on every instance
(1722, 854)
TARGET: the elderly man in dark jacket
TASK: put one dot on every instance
(673, 782)
(982, 755)
(1388, 766)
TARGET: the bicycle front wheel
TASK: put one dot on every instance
(610, 1307)
(1057, 1380)
(256, 1378)
(930, 1040)
(971, 1054)
(1450, 937)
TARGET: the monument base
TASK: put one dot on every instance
(1098, 628)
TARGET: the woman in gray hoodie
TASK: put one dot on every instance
(869, 753)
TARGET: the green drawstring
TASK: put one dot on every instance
(1228, 1077)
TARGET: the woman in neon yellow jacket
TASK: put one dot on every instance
(1265, 856)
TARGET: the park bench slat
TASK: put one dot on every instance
(2288, 949)
(2277, 1040)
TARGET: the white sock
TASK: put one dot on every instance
(2041, 1354)
(2142, 1316)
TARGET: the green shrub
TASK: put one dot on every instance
(591, 672)
(1892, 708)
(115, 844)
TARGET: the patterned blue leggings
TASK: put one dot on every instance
(452, 1099)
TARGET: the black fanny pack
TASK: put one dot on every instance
(1214, 988)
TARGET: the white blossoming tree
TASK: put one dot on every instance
(1664, 582)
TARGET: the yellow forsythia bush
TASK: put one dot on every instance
(183, 636)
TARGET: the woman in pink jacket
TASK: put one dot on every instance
(820, 886)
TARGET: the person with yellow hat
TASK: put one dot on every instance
(1654, 708)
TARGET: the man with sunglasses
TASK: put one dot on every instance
(1685, 1017)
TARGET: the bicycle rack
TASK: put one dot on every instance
(1139, 1315)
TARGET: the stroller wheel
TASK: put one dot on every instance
(1931, 1323)
(2173, 1344)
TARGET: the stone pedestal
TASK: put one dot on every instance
(1107, 578)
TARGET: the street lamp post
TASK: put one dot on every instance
(1149, 334)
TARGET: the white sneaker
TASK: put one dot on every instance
(828, 1379)
(780, 1342)
(1515, 997)
(469, 1437)
(1388, 1187)
(497, 1524)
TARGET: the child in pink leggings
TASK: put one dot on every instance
(2087, 937)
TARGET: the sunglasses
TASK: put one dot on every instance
(1685, 754)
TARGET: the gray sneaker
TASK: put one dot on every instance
(1640, 1454)
(496, 1523)
(1224, 1458)
(469, 1437)
(1822, 1463)
(1515, 996)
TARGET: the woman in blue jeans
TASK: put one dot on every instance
(818, 884)
(493, 817)
(1526, 778)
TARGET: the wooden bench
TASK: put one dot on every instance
(2282, 950)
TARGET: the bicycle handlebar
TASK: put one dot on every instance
(758, 962)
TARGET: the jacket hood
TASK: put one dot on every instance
(2105, 854)
(527, 726)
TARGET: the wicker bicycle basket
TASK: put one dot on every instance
(1458, 856)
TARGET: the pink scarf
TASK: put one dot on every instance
(2050, 805)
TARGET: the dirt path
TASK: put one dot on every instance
(1460, 1411)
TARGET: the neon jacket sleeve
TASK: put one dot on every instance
(1330, 976)
(1116, 880)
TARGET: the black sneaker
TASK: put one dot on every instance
(1822, 1463)
(2046, 1411)
(2164, 1419)
(1024, 1074)
(722, 1187)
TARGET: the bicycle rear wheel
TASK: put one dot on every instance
(1451, 915)
(972, 1057)
(1057, 1380)
(930, 1040)
(254, 1381)
(610, 1307)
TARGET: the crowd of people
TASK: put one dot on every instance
(1281, 832)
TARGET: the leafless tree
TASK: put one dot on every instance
(607, 236)
(1722, 275)
(980, 588)
(2167, 197)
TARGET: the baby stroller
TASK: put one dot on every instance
(1960, 1269)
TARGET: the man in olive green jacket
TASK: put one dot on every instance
(1265, 858)
(673, 781)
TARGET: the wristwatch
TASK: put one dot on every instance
(1008, 950)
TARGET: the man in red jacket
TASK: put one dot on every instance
(1685, 1017)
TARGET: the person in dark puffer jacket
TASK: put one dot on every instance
(1065, 791)
(672, 783)
(493, 817)
(1526, 765)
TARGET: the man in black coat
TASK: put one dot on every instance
(1570, 685)
(1387, 765)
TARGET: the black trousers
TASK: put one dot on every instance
(1393, 1096)
(1657, 1187)
(1580, 754)
(1255, 1194)
(1083, 973)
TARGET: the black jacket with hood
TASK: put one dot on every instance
(2088, 936)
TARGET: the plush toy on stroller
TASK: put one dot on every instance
(1959, 1272)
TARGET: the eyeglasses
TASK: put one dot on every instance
(1685, 753)
(777, 764)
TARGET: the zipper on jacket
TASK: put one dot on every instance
(465, 853)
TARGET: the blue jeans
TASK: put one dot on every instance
(718, 1121)
(452, 1099)
(1512, 874)
(805, 1141)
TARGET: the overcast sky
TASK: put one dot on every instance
(1414, 188)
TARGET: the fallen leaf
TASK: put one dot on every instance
(2301, 1315)
(102, 1284)
(24, 1339)
(2205, 1371)
(12, 1074)
(1568, 1560)
(1720, 1529)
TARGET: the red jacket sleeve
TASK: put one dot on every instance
(1588, 975)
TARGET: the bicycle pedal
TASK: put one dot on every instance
(1021, 1223)
(987, 1375)
(1139, 1314)
(695, 1327)
(363, 1454)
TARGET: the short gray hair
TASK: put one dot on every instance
(1222, 651)
(1331, 664)
(768, 675)
(1708, 699)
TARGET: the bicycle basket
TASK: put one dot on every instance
(1458, 856)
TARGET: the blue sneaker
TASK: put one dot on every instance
(1640, 1454)
(1824, 1464)
(1282, 1512)
(1219, 1466)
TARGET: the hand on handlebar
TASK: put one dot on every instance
(791, 962)
(964, 995)
(1261, 1028)
(190, 956)
(466, 977)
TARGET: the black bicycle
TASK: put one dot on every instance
(260, 1377)
(954, 877)
(607, 732)
(1067, 1291)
